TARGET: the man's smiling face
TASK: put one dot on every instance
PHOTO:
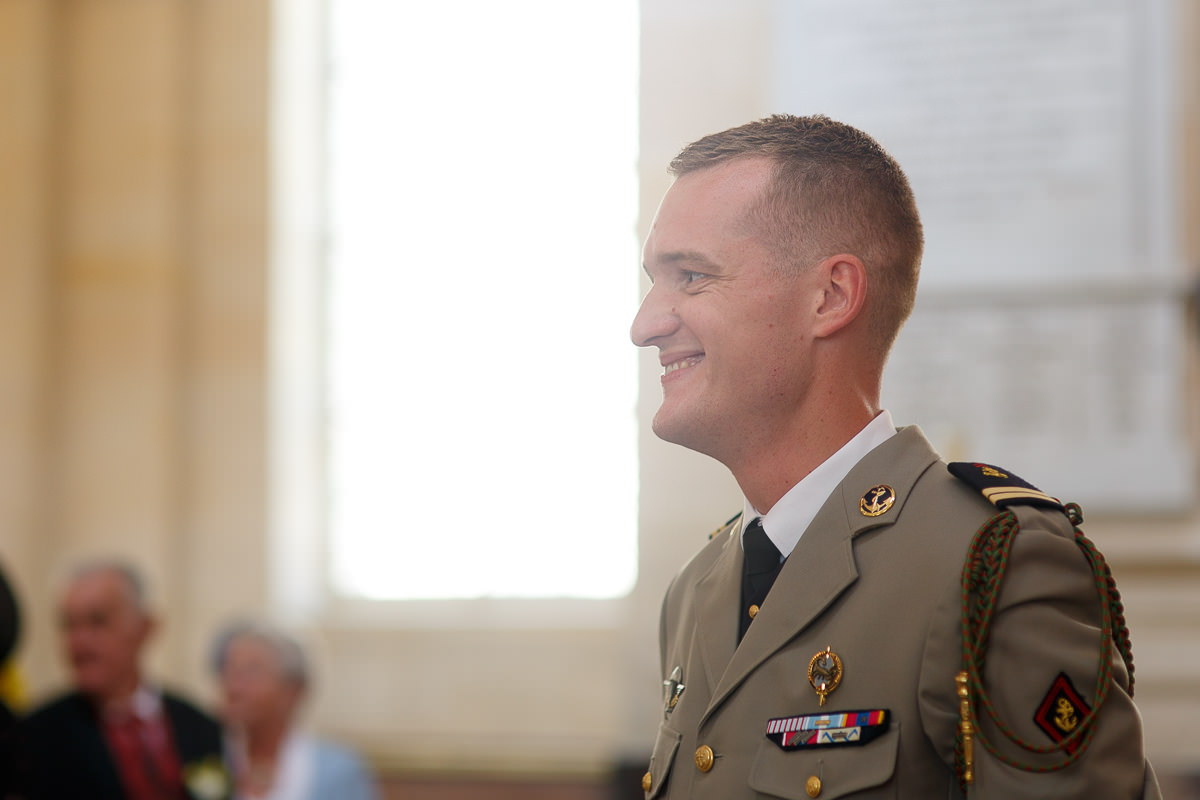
(732, 328)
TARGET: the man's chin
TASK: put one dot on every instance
(90, 683)
(682, 432)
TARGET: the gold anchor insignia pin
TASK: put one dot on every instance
(673, 687)
(825, 673)
(877, 501)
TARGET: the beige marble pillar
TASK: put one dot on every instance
(133, 307)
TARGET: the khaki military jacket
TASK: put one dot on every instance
(884, 594)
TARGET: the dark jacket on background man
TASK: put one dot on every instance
(63, 754)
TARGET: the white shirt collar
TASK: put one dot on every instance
(786, 522)
(296, 768)
(295, 764)
(145, 704)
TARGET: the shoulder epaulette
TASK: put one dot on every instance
(987, 560)
(1001, 487)
(728, 522)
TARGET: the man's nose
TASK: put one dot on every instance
(655, 319)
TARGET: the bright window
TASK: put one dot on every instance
(482, 278)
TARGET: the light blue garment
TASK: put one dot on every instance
(313, 769)
(340, 775)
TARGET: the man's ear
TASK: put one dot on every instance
(149, 625)
(844, 292)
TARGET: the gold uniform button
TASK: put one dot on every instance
(704, 758)
(647, 782)
(812, 786)
(753, 612)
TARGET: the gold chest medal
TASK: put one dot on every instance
(825, 673)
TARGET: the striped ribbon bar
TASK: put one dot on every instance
(823, 730)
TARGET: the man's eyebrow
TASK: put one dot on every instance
(690, 257)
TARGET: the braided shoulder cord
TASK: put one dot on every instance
(983, 573)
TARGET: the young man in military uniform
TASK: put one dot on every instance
(822, 644)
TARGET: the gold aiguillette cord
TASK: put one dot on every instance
(965, 726)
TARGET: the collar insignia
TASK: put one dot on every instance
(877, 501)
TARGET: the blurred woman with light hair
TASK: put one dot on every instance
(264, 677)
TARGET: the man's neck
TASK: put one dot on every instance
(771, 467)
(264, 740)
(119, 698)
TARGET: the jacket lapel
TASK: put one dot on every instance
(97, 772)
(822, 565)
(818, 570)
(718, 594)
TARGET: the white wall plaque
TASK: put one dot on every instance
(1038, 137)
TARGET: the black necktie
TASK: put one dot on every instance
(760, 567)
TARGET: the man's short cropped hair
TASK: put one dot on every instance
(834, 190)
(126, 573)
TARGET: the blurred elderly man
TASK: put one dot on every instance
(264, 678)
(116, 736)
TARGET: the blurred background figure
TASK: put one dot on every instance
(115, 735)
(10, 625)
(264, 678)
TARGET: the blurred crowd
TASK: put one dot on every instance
(117, 734)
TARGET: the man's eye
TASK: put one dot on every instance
(692, 277)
